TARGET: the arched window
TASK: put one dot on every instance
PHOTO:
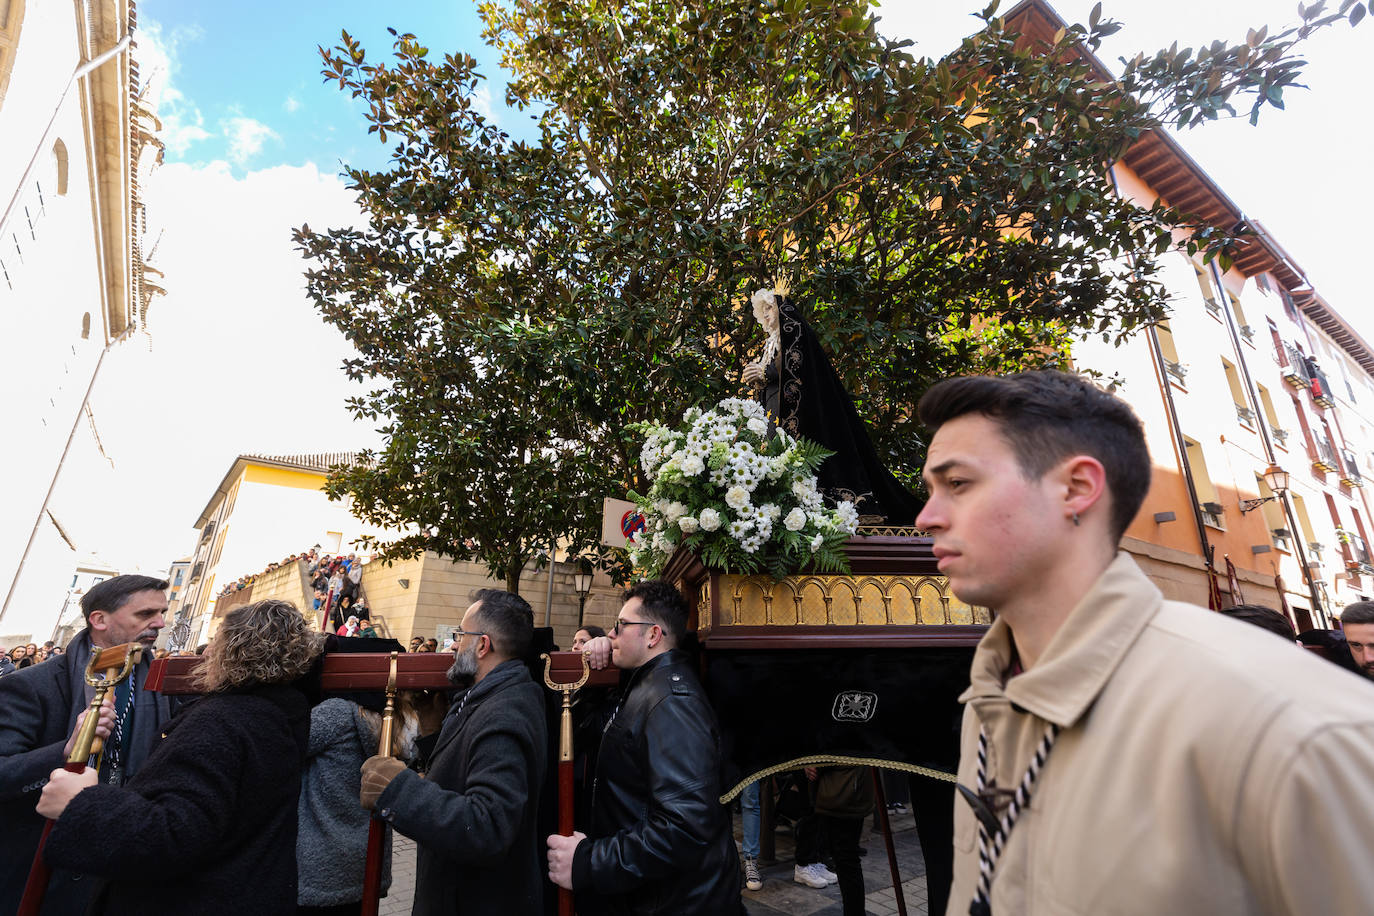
(59, 158)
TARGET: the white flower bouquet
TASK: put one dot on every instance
(742, 497)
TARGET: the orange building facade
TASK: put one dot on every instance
(1252, 372)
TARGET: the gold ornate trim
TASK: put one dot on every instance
(890, 531)
(851, 601)
(827, 760)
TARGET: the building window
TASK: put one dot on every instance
(59, 158)
(1212, 510)
(1243, 411)
(1176, 370)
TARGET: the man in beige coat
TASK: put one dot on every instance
(1123, 753)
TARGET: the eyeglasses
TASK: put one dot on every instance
(620, 624)
(461, 632)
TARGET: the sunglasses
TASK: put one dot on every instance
(620, 624)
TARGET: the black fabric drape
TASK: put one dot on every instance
(806, 398)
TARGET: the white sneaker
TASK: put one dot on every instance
(829, 876)
(810, 875)
(753, 880)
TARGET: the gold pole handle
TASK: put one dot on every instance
(384, 744)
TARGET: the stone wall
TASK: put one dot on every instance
(438, 591)
(286, 583)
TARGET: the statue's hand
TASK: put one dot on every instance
(753, 374)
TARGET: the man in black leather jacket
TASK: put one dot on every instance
(660, 841)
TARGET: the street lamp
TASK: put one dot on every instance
(1276, 479)
(582, 582)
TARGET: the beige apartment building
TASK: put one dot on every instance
(267, 508)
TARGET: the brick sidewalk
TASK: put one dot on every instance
(780, 894)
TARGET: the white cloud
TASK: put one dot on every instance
(246, 137)
(239, 360)
(291, 105)
(158, 54)
(481, 101)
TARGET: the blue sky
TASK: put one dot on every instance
(253, 96)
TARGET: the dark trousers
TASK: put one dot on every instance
(841, 836)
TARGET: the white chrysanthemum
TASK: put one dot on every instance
(740, 528)
(772, 510)
(692, 465)
(688, 524)
(737, 497)
(709, 519)
(796, 519)
(757, 425)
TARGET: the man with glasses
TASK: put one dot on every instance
(473, 815)
(659, 839)
(1357, 620)
(40, 709)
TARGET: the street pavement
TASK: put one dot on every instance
(780, 894)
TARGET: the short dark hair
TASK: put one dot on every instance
(111, 594)
(1264, 617)
(594, 631)
(508, 620)
(1359, 612)
(661, 602)
(1045, 416)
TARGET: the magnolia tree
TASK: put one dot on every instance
(518, 305)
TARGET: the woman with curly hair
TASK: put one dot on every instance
(208, 825)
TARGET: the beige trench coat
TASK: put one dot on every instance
(1205, 766)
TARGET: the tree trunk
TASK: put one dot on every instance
(513, 570)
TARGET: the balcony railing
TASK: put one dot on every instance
(1213, 514)
(1245, 415)
(1294, 367)
(1351, 475)
(1213, 306)
(1177, 370)
(1247, 332)
(1280, 435)
(1323, 455)
(1321, 388)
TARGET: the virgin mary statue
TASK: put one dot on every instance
(799, 388)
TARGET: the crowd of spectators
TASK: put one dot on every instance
(26, 655)
(242, 582)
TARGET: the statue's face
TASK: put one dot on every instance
(768, 317)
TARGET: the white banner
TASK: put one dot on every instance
(619, 519)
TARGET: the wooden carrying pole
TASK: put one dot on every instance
(881, 798)
(106, 670)
(376, 828)
(565, 763)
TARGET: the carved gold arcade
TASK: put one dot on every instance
(847, 601)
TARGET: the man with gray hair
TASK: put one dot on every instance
(40, 709)
(1357, 621)
(473, 816)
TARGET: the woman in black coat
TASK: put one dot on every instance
(208, 825)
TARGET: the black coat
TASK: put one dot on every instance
(209, 825)
(474, 817)
(38, 710)
(660, 840)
